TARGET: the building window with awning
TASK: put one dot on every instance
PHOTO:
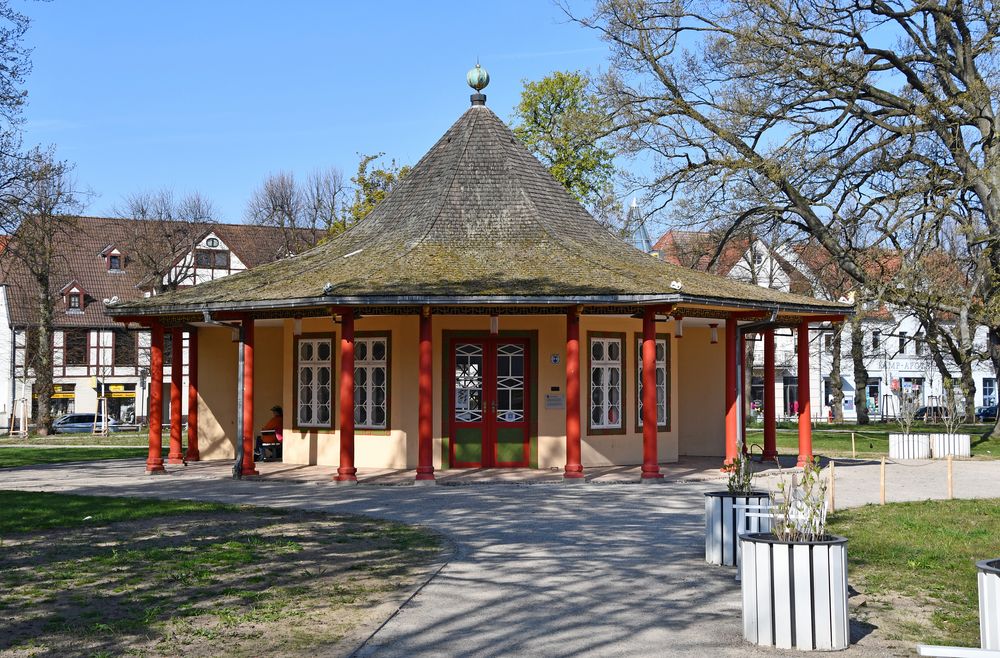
(314, 382)
(606, 382)
(371, 382)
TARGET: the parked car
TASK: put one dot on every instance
(75, 423)
(986, 414)
(930, 414)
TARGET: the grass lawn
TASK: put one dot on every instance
(12, 456)
(870, 440)
(916, 563)
(82, 575)
(136, 439)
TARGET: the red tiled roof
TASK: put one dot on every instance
(82, 261)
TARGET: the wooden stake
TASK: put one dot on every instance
(951, 491)
(881, 483)
(833, 486)
(854, 453)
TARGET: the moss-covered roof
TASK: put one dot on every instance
(478, 220)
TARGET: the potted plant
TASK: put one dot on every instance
(951, 442)
(989, 603)
(794, 578)
(907, 445)
(722, 516)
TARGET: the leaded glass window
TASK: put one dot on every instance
(468, 383)
(661, 381)
(605, 383)
(510, 383)
(371, 382)
(314, 379)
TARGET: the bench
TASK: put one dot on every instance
(269, 448)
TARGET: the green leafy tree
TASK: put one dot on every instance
(370, 187)
(564, 124)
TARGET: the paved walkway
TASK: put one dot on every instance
(549, 569)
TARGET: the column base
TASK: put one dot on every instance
(803, 460)
(344, 482)
(193, 457)
(651, 479)
(651, 475)
(175, 460)
(249, 471)
(156, 470)
(574, 477)
(770, 456)
(424, 482)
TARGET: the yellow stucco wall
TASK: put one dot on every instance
(702, 369)
(217, 365)
(397, 448)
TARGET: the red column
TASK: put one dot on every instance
(425, 384)
(741, 388)
(770, 410)
(650, 460)
(176, 455)
(805, 419)
(347, 473)
(193, 454)
(248, 464)
(154, 463)
(731, 423)
(574, 467)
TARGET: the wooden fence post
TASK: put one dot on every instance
(854, 452)
(881, 483)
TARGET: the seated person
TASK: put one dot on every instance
(273, 426)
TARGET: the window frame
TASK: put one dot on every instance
(662, 424)
(86, 348)
(369, 335)
(332, 337)
(116, 336)
(74, 301)
(622, 428)
(112, 267)
(212, 255)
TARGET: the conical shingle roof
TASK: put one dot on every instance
(477, 220)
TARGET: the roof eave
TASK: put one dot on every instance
(478, 300)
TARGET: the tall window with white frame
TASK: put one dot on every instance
(606, 383)
(371, 382)
(989, 391)
(662, 382)
(314, 379)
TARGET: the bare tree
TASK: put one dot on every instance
(860, 124)
(39, 212)
(301, 212)
(164, 232)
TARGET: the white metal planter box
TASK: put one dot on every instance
(956, 445)
(795, 594)
(989, 604)
(909, 446)
(722, 520)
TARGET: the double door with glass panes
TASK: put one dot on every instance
(489, 410)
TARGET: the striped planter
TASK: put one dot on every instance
(721, 533)
(909, 446)
(956, 445)
(795, 594)
(989, 604)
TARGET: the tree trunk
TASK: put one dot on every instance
(968, 390)
(43, 388)
(836, 382)
(860, 371)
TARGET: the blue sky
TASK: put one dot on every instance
(212, 96)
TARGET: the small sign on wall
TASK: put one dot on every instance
(555, 401)
(554, 359)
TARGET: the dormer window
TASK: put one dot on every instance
(114, 259)
(74, 297)
(114, 263)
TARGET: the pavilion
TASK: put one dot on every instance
(459, 306)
